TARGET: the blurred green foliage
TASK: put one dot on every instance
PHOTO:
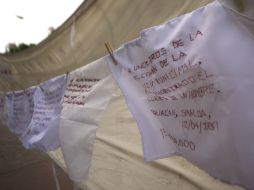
(14, 48)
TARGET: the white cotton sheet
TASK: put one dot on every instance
(189, 84)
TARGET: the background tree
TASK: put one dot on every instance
(14, 48)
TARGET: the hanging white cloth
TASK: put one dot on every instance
(189, 84)
(43, 130)
(86, 97)
(20, 106)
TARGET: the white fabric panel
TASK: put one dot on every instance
(42, 132)
(85, 99)
(189, 84)
(20, 107)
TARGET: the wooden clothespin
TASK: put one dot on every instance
(110, 51)
(67, 76)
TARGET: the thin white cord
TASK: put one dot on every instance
(55, 174)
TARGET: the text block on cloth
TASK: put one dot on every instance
(86, 97)
(189, 85)
(43, 130)
(20, 107)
